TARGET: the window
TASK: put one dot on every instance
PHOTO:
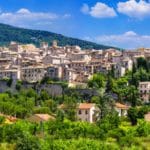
(86, 112)
(80, 112)
(51, 71)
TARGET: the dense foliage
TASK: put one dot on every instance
(68, 135)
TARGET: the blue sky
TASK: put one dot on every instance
(122, 23)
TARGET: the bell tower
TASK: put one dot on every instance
(54, 44)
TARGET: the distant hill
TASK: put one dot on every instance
(9, 33)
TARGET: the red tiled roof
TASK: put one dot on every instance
(86, 105)
(80, 106)
(121, 106)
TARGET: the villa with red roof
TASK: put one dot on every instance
(86, 112)
(121, 109)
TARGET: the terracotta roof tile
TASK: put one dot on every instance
(80, 106)
(122, 106)
(86, 105)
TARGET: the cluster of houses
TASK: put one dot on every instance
(69, 63)
(87, 112)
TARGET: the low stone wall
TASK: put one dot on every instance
(4, 87)
(52, 89)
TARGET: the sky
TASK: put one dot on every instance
(121, 23)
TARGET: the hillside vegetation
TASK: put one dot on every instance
(64, 131)
(9, 33)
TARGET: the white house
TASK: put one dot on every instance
(55, 60)
(54, 72)
(127, 63)
(33, 73)
(144, 89)
(121, 109)
(69, 75)
(119, 70)
(87, 112)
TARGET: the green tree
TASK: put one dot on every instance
(28, 142)
(143, 128)
(18, 85)
(31, 93)
(2, 119)
(142, 111)
(70, 104)
(133, 115)
(110, 121)
(142, 63)
(110, 84)
(105, 104)
(60, 115)
(51, 104)
(120, 88)
(97, 81)
(44, 95)
(132, 95)
(41, 110)
(9, 82)
(64, 86)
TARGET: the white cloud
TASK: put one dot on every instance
(129, 39)
(100, 10)
(66, 16)
(26, 18)
(23, 11)
(132, 8)
(85, 9)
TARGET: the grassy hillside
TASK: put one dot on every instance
(9, 33)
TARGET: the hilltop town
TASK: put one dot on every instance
(75, 75)
(70, 93)
(70, 63)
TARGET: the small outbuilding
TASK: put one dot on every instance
(38, 118)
